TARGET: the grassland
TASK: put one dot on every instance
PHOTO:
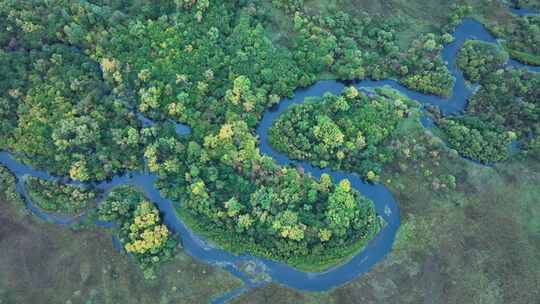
(44, 261)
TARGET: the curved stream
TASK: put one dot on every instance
(522, 11)
(385, 204)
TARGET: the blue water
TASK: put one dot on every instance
(385, 204)
(427, 122)
(523, 11)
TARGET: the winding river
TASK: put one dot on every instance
(384, 202)
(522, 11)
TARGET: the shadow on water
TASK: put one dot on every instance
(385, 204)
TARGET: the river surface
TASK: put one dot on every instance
(523, 11)
(385, 203)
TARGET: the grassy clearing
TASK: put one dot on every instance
(44, 263)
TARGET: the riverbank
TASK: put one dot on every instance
(315, 263)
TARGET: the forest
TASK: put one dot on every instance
(58, 197)
(140, 228)
(8, 184)
(523, 40)
(79, 92)
(77, 76)
(492, 118)
(345, 132)
(244, 202)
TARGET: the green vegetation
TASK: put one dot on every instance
(525, 3)
(476, 139)
(76, 75)
(495, 101)
(346, 131)
(196, 71)
(476, 242)
(244, 202)
(79, 76)
(357, 48)
(519, 34)
(493, 116)
(8, 190)
(523, 40)
(479, 59)
(141, 230)
(58, 197)
(61, 119)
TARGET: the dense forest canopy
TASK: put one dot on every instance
(506, 106)
(346, 131)
(141, 229)
(58, 197)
